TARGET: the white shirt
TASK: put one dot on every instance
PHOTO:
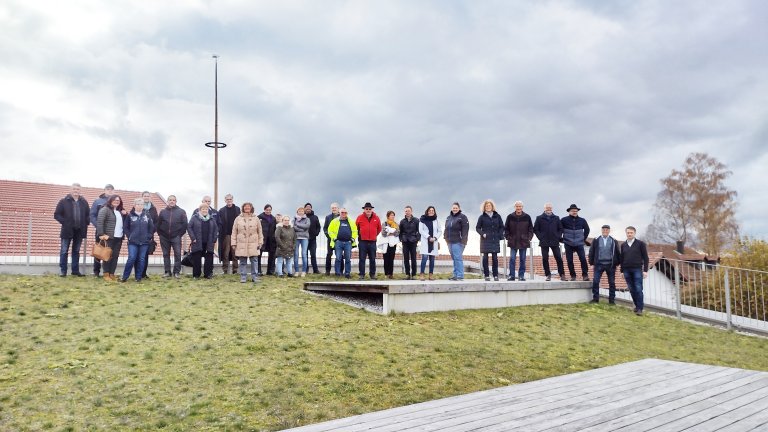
(118, 224)
(629, 242)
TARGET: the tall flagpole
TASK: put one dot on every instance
(216, 145)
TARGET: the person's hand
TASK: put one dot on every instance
(645, 275)
(485, 235)
(103, 237)
(124, 212)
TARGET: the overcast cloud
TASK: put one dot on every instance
(393, 102)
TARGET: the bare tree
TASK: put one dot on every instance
(695, 206)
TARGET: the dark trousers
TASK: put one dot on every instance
(146, 261)
(166, 244)
(409, 258)
(494, 263)
(96, 261)
(569, 250)
(389, 260)
(228, 255)
(115, 244)
(312, 248)
(270, 248)
(329, 258)
(367, 249)
(634, 278)
(76, 241)
(558, 259)
(207, 264)
(610, 270)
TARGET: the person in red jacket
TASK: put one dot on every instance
(368, 229)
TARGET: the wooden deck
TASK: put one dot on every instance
(645, 395)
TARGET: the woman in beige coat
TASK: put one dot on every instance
(247, 239)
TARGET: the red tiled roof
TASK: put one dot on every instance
(27, 204)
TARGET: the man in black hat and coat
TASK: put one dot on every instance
(575, 232)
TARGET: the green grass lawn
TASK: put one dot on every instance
(81, 354)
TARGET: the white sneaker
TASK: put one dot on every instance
(303, 274)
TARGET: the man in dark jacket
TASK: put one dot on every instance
(575, 232)
(152, 213)
(171, 226)
(330, 250)
(549, 230)
(518, 230)
(227, 215)
(72, 213)
(409, 236)
(98, 203)
(634, 265)
(268, 227)
(314, 231)
(604, 257)
(456, 235)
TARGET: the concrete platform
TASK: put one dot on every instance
(410, 296)
(643, 395)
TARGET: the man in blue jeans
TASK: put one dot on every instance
(634, 265)
(342, 234)
(604, 256)
(72, 213)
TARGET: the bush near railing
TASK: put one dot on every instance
(710, 289)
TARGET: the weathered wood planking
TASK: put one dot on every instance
(651, 394)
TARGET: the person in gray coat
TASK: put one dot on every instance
(301, 225)
(491, 230)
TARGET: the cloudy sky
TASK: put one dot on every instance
(393, 102)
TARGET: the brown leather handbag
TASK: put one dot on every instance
(102, 251)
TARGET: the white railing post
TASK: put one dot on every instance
(677, 286)
(29, 238)
(727, 301)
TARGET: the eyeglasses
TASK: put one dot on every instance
(343, 212)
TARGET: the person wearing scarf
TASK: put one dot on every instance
(152, 213)
(203, 232)
(391, 233)
(429, 229)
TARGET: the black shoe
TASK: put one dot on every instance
(522, 279)
(611, 302)
(563, 278)
(495, 278)
(594, 301)
(329, 273)
(549, 278)
(510, 278)
(78, 274)
(361, 277)
(586, 278)
(348, 276)
(144, 277)
(62, 275)
(122, 280)
(639, 313)
(634, 310)
(177, 276)
(486, 278)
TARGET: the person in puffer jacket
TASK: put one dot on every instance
(575, 233)
(456, 234)
(247, 240)
(285, 237)
(139, 228)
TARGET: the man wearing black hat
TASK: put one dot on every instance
(575, 232)
(368, 229)
(604, 256)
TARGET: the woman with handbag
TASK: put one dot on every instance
(139, 229)
(247, 239)
(203, 233)
(391, 233)
(109, 227)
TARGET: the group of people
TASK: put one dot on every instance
(242, 236)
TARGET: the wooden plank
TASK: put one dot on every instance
(645, 395)
(653, 408)
(693, 414)
(529, 389)
(528, 419)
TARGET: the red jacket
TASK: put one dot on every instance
(368, 229)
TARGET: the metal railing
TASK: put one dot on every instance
(728, 296)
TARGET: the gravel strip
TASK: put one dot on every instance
(368, 301)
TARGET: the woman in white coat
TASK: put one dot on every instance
(429, 228)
